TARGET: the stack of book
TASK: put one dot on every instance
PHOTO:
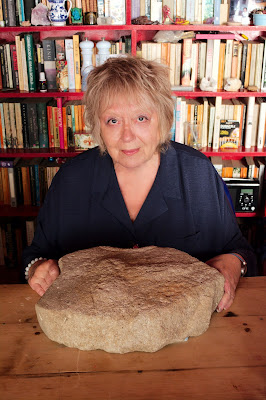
(217, 56)
(60, 59)
(226, 123)
(16, 12)
(24, 182)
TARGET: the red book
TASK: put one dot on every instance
(60, 122)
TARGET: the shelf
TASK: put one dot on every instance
(30, 211)
(227, 154)
(32, 153)
(231, 154)
(73, 94)
(21, 211)
(153, 27)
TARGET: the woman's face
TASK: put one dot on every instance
(130, 131)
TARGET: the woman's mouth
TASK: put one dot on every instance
(130, 152)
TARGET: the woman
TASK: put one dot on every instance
(137, 188)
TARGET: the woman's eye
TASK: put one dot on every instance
(142, 118)
(112, 121)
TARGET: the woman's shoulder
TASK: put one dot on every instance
(183, 151)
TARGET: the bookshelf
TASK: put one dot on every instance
(138, 33)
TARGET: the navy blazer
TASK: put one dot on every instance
(186, 209)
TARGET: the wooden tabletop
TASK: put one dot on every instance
(226, 362)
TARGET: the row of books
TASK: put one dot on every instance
(60, 59)
(24, 182)
(48, 123)
(246, 168)
(18, 12)
(196, 12)
(14, 237)
(225, 123)
(40, 123)
(211, 57)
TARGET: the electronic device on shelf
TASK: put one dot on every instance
(244, 194)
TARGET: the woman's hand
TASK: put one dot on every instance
(230, 268)
(42, 274)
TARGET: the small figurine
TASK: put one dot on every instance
(232, 84)
(208, 84)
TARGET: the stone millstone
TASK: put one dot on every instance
(123, 300)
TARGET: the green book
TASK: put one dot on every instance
(30, 61)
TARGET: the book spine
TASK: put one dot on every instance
(249, 121)
(70, 63)
(18, 118)
(7, 126)
(24, 64)
(209, 58)
(258, 69)
(3, 70)
(24, 125)
(234, 60)
(14, 61)
(9, 66)
(221, 66)
(5, 11)
(217, 118)
(32, 123)
(28, 6)
(228, 59)
(186, 62)
(76, 53)
(42, 124)
(11, 12)
(49, 62)
(243, 63)
(254, 47)
(19, 62)
(263, 75)
(37, 185)
(247, 72)
(6, 67)
(215, 62)
(216, 12)
(3, 127)
(60, 122)
(12, 187)
(30, 62)
(261, 126)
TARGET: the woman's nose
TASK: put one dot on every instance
(128, 133)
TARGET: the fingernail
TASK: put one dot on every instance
(218, 309)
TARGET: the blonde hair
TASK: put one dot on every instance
(137, 78)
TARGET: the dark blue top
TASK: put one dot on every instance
(186, 209)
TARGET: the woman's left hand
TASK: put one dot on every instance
(230, 268)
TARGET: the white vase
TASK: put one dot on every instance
(58, 13)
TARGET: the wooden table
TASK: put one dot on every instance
(226, 362)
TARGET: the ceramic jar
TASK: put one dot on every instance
(58, 13)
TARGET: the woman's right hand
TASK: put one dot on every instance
(42, 274)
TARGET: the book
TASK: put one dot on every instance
(76, 52)
(258, 69)
(186, 62)
(254, 47)
(261, 123)
(248, 61)
(30, 109)
(29, 45)
(249, 120)
(234, 65)
(215, 62)
(41, 107)
(228, 59)
(209, 58)
(118, 12)
(216, 128)
(243, 63)
(229, 134)
(263, 74)
(49, 62)
(24, 64)
(14, 62)
(28, 6)
(11, 13)
(9, 65)
(221, 66)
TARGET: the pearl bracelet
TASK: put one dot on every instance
(31, 264)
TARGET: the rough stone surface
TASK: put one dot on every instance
(123, 300)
